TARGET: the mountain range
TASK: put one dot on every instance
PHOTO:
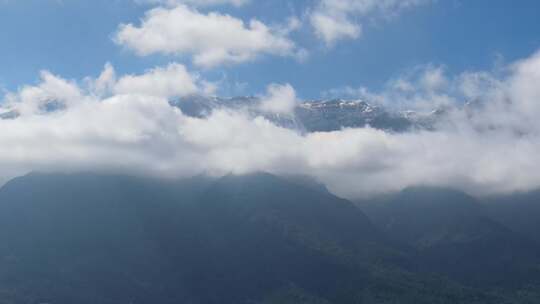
(318, 115)
(308, 116)
(259, 238)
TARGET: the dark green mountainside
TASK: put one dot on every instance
(86, 238)
(456, 235)
(520, 212)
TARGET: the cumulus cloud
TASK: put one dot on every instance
(332, 28)
(171, 81)
(55, 93)
(280, 99)
(491, 149)
(211, 39)
(105, 82)
(335, 20)
(51, 90)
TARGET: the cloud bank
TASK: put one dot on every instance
(489, 149)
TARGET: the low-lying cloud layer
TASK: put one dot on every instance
(125, 124)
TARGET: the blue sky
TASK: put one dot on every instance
(74, 38)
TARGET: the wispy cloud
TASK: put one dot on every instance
(335, 20)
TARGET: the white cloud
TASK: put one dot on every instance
(335, 20)
(280, 99)
(333, 28)
(423, 88)
(105, 82)
(171, 81)
(211, 39)
(495, 149)
(434, 79)
(52, 89)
